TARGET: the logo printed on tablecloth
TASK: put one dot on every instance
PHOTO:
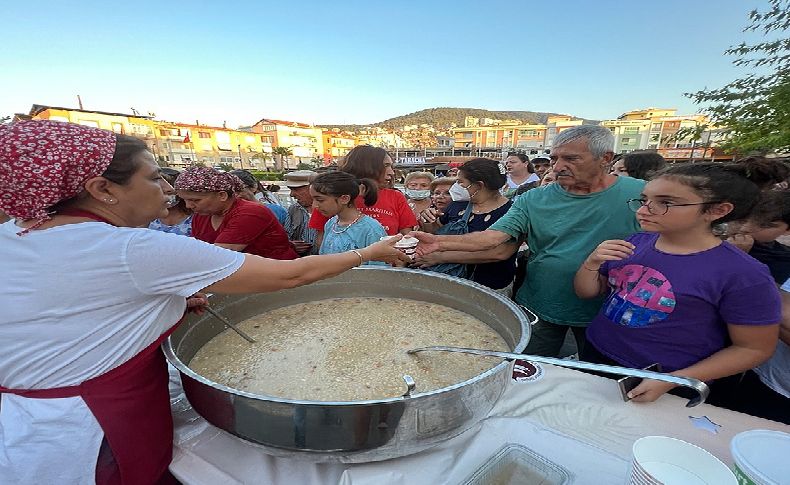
(641, 296)
(525, 371)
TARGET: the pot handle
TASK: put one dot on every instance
(699, 386)
(533, 319)
(410, 385)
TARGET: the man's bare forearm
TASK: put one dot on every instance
(499, 253)
(475, 241)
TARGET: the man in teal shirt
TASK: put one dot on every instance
(562, 223)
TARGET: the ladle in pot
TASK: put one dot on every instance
(229, 325)
(699, 386)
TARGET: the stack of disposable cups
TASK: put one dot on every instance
(407, 245)
(659, 460)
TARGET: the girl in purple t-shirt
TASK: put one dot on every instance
(678, 295)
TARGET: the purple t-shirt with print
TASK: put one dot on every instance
(674, 309)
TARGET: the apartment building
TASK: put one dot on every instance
(557, 123)
(532, 138)
(123, 123)
(517, 135)
(173, 144)
(305, 141)
(337, 144)
(662, 130)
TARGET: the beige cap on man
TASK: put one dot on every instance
(299, 178)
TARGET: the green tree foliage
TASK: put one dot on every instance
(266, 175)
(227, 167)
(313, 164)
(280, 153)
(283, 151)
(756, 108)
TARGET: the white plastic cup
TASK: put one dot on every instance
(761, 457)
(670, 461)
(407, 245)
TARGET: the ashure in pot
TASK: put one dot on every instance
(356, 431)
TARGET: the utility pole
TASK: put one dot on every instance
(156, 147)
(170, 146)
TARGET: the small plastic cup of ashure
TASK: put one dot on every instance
(761, 457)
(407, 245)
(670, 461)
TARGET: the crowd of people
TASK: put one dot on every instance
(640, 262)
(631, 258)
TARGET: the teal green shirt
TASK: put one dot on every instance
(562, 229)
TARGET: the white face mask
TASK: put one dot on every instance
(415, 194)
(458, 193)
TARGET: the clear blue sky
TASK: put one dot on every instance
(364, 61)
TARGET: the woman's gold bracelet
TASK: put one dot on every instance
(588, 269)
(358, 253)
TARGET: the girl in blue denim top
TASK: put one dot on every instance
(347, 229)
(179, 218)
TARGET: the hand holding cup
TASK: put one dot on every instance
(386, 251)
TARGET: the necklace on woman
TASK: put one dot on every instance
(479, 210)
(344, 228)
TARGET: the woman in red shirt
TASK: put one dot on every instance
(391, 209)
(230, 222)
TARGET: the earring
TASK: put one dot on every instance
(109, 201)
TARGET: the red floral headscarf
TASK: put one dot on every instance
(205, 179)
(45, 162)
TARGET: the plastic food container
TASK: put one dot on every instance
(761, 457)
(516, 464)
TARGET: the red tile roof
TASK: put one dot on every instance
(284, 123)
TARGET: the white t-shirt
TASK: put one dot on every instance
(533, 177)
(79, 300)
(775, 373)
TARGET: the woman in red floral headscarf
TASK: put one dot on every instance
(228, 221)
(87, 297)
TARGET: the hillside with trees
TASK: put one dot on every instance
(445, 118)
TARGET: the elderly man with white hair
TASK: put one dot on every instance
(562, 223)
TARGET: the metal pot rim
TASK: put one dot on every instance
(167, 348)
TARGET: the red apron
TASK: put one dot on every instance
(132, 405)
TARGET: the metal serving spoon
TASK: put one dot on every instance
(229, 325)
(700, 387)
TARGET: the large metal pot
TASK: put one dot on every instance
(356, 431)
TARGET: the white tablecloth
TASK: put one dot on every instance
(576, 420)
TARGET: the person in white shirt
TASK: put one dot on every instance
(520, 175)
(89, 293)
(765, 390)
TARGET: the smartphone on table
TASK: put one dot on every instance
(627, 384)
